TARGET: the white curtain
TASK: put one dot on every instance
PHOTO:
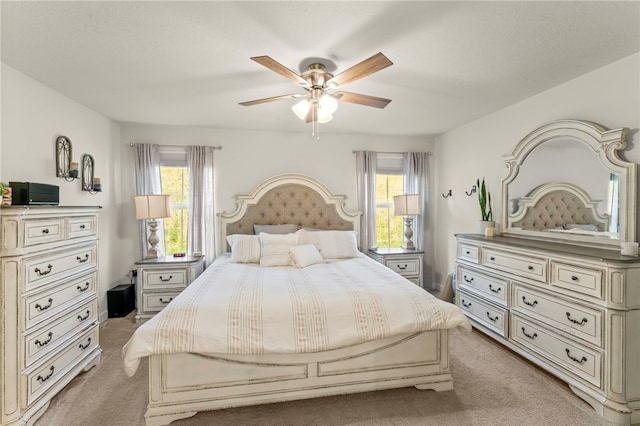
(147, 168)
(416, 181)
(201, 226)
(366, 188)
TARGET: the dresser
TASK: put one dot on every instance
(574, 311)
(48, 304)
(161, 279)
(407, 263)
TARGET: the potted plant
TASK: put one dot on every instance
(484, 200)
(5, 194)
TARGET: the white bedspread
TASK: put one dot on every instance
(245, 309)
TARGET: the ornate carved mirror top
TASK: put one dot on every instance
(567, 182)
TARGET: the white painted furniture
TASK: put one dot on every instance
(48, 305)
(575, 311)
(407, 263)
(161, 279)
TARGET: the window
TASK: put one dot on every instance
(174, 178)
(389, 182)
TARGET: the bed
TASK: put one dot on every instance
(245, 333)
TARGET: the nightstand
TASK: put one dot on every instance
(162, 279)
(407, 263)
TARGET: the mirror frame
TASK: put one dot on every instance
(605, 144)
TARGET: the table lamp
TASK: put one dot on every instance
(407, 205)
(150, 208)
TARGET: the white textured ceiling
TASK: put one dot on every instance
(187, 63)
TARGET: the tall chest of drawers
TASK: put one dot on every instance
(575, 311)
(48, 304)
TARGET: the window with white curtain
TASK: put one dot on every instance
(174, 178)
(389, 182)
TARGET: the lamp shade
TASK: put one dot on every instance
(152, 206)
(406, 205)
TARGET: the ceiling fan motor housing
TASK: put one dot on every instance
(317, 76)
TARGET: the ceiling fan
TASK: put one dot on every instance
(320, 101)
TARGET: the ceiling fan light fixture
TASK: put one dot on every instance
(324, 118)
(328, 104)
(301, 109)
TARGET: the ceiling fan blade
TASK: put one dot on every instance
(265, 100)
(276, 66)
(367, 67)
(312, 115)
(356, 98)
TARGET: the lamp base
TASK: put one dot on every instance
(152, 252)
(408, 233)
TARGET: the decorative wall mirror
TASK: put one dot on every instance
(566, 182)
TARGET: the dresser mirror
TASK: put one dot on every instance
(567, 182)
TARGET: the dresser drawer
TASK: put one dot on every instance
(492, 317)
(490, 287)
(155, 302)
(165, 278)
(571, 318)
(571, 356)
(469, 252)
(44, 340)
(83, 226)
(42, 231)
(42, 270)
(41, 306)
(526, 266)
(47, 375)
(409, 266)
(577, 279)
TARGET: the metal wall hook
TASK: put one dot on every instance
(447, 195)
(473, 191)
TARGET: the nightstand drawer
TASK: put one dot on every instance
(408, 266)
(155, 302)
(165, 278)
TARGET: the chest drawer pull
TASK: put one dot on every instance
(41, 273)
(166, 279)
(83, 289)
(469, 280)
(494, 319)
(467, 252)
(45, 307)
(532, 304)
(574, 359)
(574, 278)
(82, 226)
(466, 305)
(81, 260)
(583, 321)
(47, 377)
(83, 347)
(495, 290)
(44, 342)
(82, 318)
(530, 336)
(492, 258)
(45, 231)
(530, 268)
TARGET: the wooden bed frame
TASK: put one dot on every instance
(180, 385)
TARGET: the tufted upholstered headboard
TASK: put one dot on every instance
(285, 199)
(557, 205)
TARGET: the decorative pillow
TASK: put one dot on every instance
(275, 249)
(288, 228)
(244, 248)
(305, 255)
(331, 244)
(583, 227)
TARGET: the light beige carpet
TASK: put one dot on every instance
(492, 386)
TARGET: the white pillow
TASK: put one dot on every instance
(305, 255)
(331, 244)
(287, 228)
(244, 248)
(583, 227)
(275, 249)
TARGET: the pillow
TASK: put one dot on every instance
(289, 228)
(583, 227)
(331, 244)
(275, 249)
(305, 255)
(244, 248)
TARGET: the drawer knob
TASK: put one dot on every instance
(171, 276)
(530, 268)
(574, 278)
(44, 342)
(583, 321)
(530, 336)
(81, 260)
(166, 301)
(532, 304)
(574, 359)
(83, 289)
(467, 252)
(41, 273)
(494, 319)
(83, 347)
(44, 307)
(44, 379)
(492, 258)
(82, 226)
(469, 280)
(495, 290)
(82, 318)
(45, 231)
(466, 305)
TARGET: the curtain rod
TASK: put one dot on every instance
(386, 152)
(177, 146)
